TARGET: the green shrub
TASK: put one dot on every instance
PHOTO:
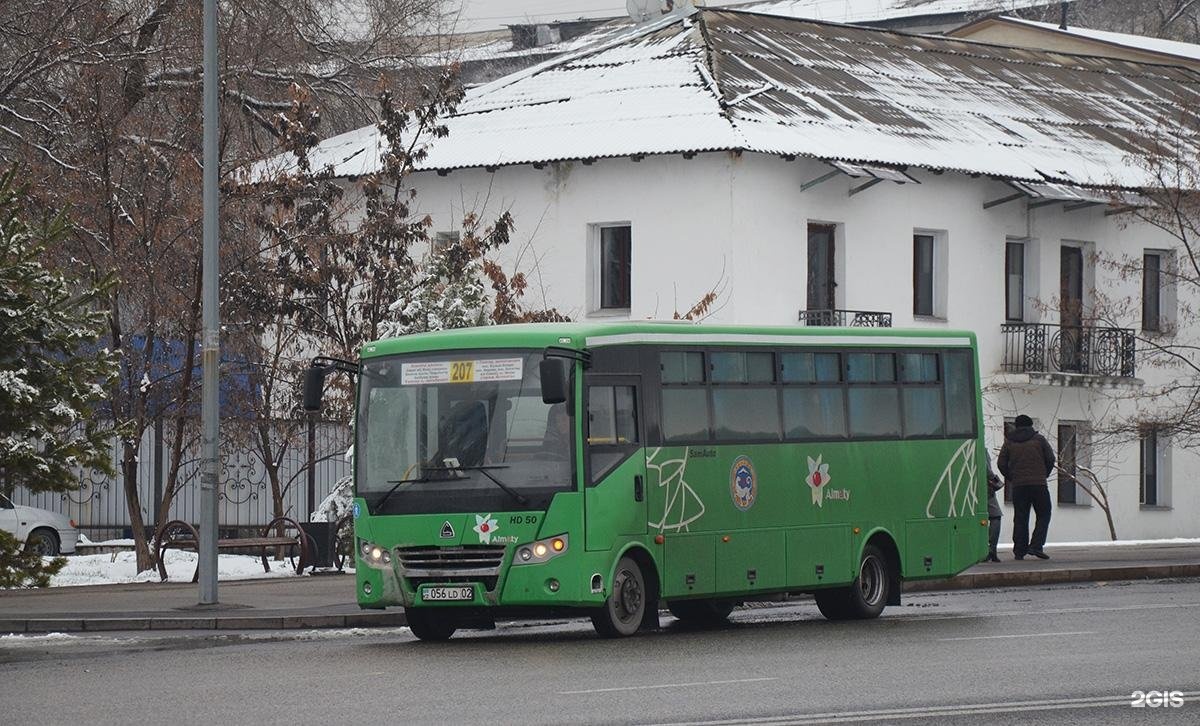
(20, 567)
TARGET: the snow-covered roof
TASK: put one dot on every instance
(732, 80)
(867, 11)
(1190, 51)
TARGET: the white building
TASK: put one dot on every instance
(800, 166)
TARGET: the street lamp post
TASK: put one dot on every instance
(210, 347)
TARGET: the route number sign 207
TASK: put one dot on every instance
(1156, 699)
(484, 370)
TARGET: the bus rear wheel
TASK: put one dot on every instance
(700, 613)
(625, 608)
(864, 598)
(429, 624)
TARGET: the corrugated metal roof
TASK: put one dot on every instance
(865, 11)
(726, 79)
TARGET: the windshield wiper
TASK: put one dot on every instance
(484, 470)
(396, 484)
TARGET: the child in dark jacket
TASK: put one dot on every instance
(994, 512)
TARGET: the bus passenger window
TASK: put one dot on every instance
(612, 416)
(612, 433)
(814, 413)
(870, 367)
(918, 367)
(960, 400)
(923, 411)
(746, 414)
(684, 414)
(682, 367)
(874, 412)
(743, 367)
(811, 367)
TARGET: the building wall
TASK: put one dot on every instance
(738, 224)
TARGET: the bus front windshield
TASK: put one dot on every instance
(459, 432)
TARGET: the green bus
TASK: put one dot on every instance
(607, 468)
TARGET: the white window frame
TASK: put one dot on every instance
(1163, 473)
(596, 270)
(941, 266)
(1083, 457)
(1167, 295)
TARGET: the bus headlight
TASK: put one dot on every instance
(538, 552)
(374, 555)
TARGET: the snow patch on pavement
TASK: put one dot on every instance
(121, 567)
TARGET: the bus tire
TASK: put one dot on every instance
(429, 624)
(701, 612)
(866, 597)
(625, 607)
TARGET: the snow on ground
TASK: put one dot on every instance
(121, 567)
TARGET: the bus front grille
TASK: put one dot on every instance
(470, 563)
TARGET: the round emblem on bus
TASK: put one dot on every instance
(743, 483)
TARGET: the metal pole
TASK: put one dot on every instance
(312, 462)
(211, 341)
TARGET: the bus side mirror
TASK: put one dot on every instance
(554, 380)
(314, 385)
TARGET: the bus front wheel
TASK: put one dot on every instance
(625, 607)
(864, 598)
(429, 624)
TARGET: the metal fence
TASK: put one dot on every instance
(847, 318)
(313, 463)
(1044, 348)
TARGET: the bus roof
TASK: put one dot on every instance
(594, 334)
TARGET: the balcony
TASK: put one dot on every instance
(846, 318)
(1043, 348)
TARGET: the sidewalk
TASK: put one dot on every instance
(327, 600)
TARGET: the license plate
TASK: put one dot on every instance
(465, 592)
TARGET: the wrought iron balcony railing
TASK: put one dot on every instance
(846, 318)
(1043, 348)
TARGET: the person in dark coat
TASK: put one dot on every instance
(994, 512)
(1026, 461)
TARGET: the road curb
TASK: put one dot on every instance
(1025, 578)
(174, 622)
(395, 618)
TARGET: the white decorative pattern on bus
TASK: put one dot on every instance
(959, 481)
(678, 493)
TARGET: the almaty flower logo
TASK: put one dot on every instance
(485, 527)
(818, 478)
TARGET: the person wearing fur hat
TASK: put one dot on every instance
(1026, 461)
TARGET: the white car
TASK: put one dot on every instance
(45, 532)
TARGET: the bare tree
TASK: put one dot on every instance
(1169, 19)
(101, 99)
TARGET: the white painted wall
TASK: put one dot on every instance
(740, 223)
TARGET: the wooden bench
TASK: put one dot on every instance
(181, 535)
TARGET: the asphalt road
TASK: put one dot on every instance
(1057, 654)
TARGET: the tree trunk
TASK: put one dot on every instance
(129, 472)
(182, 400)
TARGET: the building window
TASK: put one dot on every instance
(1151, 472)
(1014, 281)
(614, 267)
(1152, 269)
(444, 240)
(1071, 452)
(923, 268)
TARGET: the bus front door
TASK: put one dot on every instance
(615, 500)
